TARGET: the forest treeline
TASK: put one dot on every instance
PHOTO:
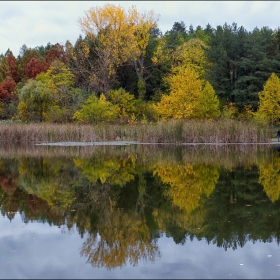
(125, 70)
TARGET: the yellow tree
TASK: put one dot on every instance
(112, 33)
(185, 88)
(269, 104)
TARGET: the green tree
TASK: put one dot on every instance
(34, 101)
(209, 105)
(65, 97)
(96, 110)
(124, 101)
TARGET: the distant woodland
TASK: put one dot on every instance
(124, 70)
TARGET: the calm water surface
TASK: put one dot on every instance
(140, 212)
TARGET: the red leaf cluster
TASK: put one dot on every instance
(6, 89)
(35, 67)
(12, 63)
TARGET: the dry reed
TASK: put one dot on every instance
(174, 131)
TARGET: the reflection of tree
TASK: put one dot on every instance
(124, 238)
(115, 236)
(116, 171)
(122, 204)
(51, 180)
(252, 217)
(29, 206)
(188, 183)
(270, 177)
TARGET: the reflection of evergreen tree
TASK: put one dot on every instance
(238, 210)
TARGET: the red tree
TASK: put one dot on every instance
(56, 52)
(35, 67)
(6, 89)
(12, 63)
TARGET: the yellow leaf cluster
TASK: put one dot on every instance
(185, 90)
(269, 99)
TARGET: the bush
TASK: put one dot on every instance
(96, 110)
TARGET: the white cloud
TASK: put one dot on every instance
(36, 23)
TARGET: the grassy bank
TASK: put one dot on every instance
(191, 131)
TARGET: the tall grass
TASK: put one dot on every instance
(175, 131)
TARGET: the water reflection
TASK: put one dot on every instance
(123, 199)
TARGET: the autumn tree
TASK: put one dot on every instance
(269, 104)
(112, 33)
(51, 96)
(12, 66)
(56, 51)
(8, 66)
(35, 67)
(185, 88)
(7, 88)
(23, 59)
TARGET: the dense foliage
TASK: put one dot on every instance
(185, 73)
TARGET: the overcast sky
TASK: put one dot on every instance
(37, 23)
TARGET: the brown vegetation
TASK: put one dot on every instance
(175, 131)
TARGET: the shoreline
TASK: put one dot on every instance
(124, 143)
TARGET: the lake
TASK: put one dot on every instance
(140, 211)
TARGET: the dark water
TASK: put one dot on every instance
(140, 212)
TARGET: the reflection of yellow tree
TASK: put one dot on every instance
(188, 183)
(270, 178)
(116, 171)
(123, 237)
